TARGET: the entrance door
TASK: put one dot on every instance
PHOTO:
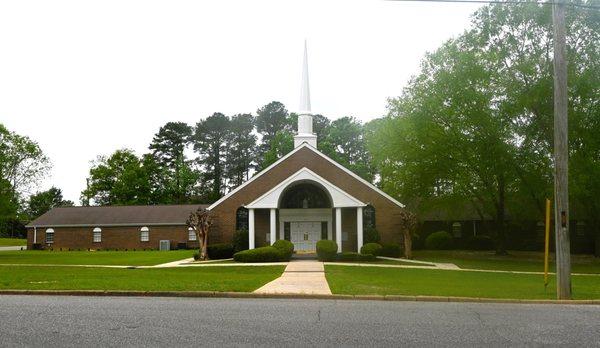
(305, 235)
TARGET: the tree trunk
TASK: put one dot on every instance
(407, 245)
(500, 220)
(204, 247)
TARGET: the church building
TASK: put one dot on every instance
(303, 197)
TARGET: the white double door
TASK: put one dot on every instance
(305, 235)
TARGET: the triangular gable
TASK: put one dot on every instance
(282, 159)
(339, 198)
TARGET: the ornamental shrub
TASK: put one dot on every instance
(240, 240)
(196, 256)
(372, 235)
(441, 240)
(390, 250)
(220, 251)
(263, 254)
(480, 243)
(371, 249)
(326, 250)
(353, 256)
(286, 247)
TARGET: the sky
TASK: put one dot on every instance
(85, 78)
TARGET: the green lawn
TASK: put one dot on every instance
(515, 261)
(413, 282)
(126, 258)
(13, 242)
(240, 279)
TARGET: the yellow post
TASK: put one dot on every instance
(547, 243)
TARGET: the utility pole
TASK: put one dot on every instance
(561, 155)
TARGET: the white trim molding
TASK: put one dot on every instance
(282, 159)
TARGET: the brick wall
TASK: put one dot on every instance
(112, 237)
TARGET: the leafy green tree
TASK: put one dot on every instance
(120, 179)
(280, 145)
(241, 149)
(43, 201)
(22, 162)
(270, 119)
(210, 140)
(476, 122)
(343, 141)
(168, 147)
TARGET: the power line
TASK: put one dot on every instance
(512, 2)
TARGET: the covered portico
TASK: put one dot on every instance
(306, 208)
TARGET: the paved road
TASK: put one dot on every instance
(120, 321)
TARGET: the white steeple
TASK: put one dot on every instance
(305, 130)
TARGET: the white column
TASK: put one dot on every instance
(273, 225)
(34, 235)
(359, 228)
(250, 228)
(338, 228)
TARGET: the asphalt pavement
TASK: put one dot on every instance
(53, 321)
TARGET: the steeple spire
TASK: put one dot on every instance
(305, 91)
(305, 120)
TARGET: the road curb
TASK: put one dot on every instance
(217, 294)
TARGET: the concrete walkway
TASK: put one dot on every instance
(11, 248)
(299, 277)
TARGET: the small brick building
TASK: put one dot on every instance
(112, 227)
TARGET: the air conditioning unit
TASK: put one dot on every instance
(165, 245)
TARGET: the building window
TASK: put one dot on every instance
(241, 219)
(368, 217)
(323, 229)
(144, 234)
(456, 230)
(287, 230)
(192, 235)
(49, 236)
(97, 235)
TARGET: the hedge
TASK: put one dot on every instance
(220, 251)
(370, 249)
(240, 240)
(372, 235)
(263, 254)
(390, 250)
(286, 247)
(353, 256)
(441, 240)
(326, 250)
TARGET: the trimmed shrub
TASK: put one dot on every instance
(480, 243)
(220, 251)
(372, 235)
(390, 250)
(441, 240)
(240, 240)
(353, 256)
(326, 250)
(196, 256)
(370, 249)
(263, 254)
(286, 247)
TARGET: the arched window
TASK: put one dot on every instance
(97, 235)
(49, 236)
(457, 230)
(144, 234)
(241, 219)
(192, 235)
(369, 217)
(303, 196)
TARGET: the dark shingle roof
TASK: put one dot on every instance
(116, 215)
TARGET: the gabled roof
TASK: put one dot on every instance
(131, 215)
(339, 198)
(282, 159)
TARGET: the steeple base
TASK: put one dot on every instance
(310, 139)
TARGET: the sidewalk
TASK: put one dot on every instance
(300, 277)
